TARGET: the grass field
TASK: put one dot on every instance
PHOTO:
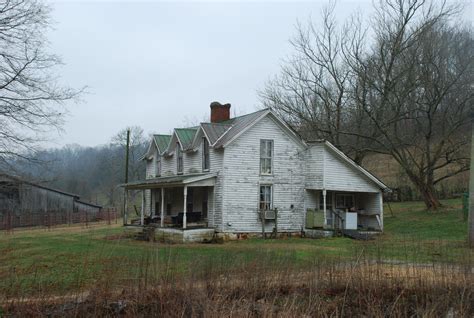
(63, 260)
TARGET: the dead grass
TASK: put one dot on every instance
(360, 288)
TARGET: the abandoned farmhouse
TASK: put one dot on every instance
(253, 173)
(24, 203)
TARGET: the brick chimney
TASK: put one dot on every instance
(219, 112)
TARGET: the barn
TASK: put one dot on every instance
(24, 203)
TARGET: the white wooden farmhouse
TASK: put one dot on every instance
(230, 174)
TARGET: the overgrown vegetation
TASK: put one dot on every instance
(420, 266)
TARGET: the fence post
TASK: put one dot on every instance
(465, 205)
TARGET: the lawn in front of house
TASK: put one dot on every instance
(66, 259)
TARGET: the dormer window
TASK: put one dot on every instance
(266, 156)
(205, 154)
(179, 159)
(158, 166)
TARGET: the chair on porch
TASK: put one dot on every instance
(191, 217)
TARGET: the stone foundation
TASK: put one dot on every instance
(183, 236)
(313, 233)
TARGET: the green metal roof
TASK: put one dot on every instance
(213, 130)
(186, 136)
(162, 141)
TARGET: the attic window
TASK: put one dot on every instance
(266, 155)
(158, 166)
(205, 154)
(179, 159)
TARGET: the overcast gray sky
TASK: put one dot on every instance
(160, 64)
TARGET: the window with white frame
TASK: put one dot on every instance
(266, 197)
(266, 156)
(158, 166)
(179, 159)
(205, 155)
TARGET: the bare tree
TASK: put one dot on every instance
(313, 93)
(406, 92)
(136, 166)
(418, 90)
(470, 223)
(30, 94)
(137, 150)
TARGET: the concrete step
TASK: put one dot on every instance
(356, 235)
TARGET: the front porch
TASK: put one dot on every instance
(176, 202)
(343, 210)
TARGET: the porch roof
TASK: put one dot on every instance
(204, 179)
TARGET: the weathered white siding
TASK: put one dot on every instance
(312, 199)
(217, 161)
(314, 165)
(150, 173)
(150, 169)
(168, 165)
(242, 180)
(372, 205)
(192, 162)
(340, 176)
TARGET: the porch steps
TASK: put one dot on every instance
(147, 234)
(357, 235)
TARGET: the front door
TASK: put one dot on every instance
(158, 208)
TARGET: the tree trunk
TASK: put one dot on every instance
(471, 189)
(427, 192)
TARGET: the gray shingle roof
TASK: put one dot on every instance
(214, 130)
(238, 124)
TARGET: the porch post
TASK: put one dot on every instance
(324, 207)
(125, 207)
(152, 199)
(214, 206)
(142, 212)
(185, 203)
(162, 220)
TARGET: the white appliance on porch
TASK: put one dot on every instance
(350, 220)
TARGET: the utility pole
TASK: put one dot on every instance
(470, 221)
(125, 191)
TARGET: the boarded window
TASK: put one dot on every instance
(266, 155)
(266, 197)
(179, 158)
(205, 155)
